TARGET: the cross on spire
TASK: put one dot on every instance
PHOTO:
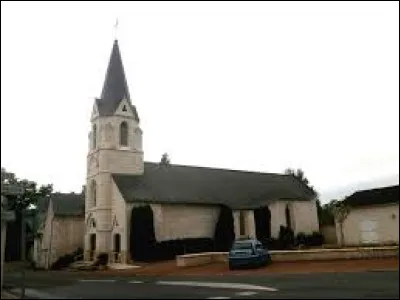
(115, 29)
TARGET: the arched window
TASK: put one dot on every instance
(123, 134)
(94, 136)
(93, 194)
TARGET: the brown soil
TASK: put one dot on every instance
(170, 268)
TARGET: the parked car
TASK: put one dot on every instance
(247, 253)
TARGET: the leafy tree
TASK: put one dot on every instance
(31, 194)
(165, 160)
(299, 174)
(325, 212)
(340, 211)
(23, 205)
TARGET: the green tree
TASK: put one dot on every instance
(299, 174)
(325, 212)
(340, 211)
(32, 193)
(165, 160)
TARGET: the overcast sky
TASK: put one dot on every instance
(257, 86)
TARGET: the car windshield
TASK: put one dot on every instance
(242, 245)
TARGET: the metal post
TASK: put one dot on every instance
(23, 253)
(3, 246)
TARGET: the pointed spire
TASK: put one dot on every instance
(115, 87)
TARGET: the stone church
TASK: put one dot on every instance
(185, 200)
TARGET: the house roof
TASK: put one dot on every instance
(384, 195)
(68, 204)
(200, 185)
(115, 86)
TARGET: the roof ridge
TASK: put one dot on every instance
(376, 189)
(220, 169)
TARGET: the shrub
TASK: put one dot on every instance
(78, 254)
(224, 230)
(286, 237)
(316, 239)
(102, 259)
(63, 262)
(272, 244)
(142, 238)
(262, 219)
(167, 250)
(301, 239)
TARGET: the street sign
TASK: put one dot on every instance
(11, 190)
(8, 215)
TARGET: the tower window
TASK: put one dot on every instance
(124, 108)
(94, 136)
(123, 134)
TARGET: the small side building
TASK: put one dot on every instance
(373, 218)
(61, 230)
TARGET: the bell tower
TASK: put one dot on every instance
(115, 146)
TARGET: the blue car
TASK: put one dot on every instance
(248, 253)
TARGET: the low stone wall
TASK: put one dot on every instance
(335, 254)
(189, 260)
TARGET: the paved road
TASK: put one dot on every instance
(382, 285)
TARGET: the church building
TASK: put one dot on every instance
(185, 201)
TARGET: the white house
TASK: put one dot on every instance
(373, 217)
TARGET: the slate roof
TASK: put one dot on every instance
(200, 185)
(68, 204)
(384, 195)
(115, 86)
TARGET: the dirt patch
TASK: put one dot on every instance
(170, 268)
